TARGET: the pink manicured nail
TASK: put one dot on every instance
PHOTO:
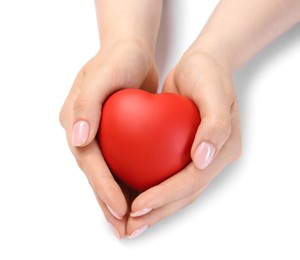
(203, 155)
(140, 213)
(138, 232)
(80, 133)
(113, 212)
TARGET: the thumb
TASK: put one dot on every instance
(91, 94)
(214, 105)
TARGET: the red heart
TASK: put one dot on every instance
(146, 138)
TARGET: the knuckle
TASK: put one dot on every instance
(80, 104)
(235, 153)
(191, 198)
(222, 128)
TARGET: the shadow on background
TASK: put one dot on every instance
(245, 76)
(167, 36)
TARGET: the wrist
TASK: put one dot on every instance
(130, 41)
(128, 20)
(217, 50)
(212, 53)
(137, 56)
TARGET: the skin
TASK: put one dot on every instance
(204, 74)
(126, 59)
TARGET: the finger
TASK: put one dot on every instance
(214, 98)
(180, 185)
(137, 225)
(203, 81)
(93, 91)
(118, 226)
(64, 115)
(92, 163)
(214, 104)
(91, 94)
(90, 160)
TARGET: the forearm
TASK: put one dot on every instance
(238, 29)
(128, 19)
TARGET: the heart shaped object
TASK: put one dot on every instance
(146, 138)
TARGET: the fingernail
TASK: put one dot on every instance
(115, 231)
(113, 212)
(204, 155)
(80, 133)
(140, 212)
(138, 232)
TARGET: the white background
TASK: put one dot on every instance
(47, 209)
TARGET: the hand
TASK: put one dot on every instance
(124, 64)
(217, 143)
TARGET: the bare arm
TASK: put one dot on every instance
(127, 20)
(237, 29)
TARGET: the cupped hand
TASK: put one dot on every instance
(125, 64)
(217, 143)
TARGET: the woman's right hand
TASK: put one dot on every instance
(207, 82)
(125, 64)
